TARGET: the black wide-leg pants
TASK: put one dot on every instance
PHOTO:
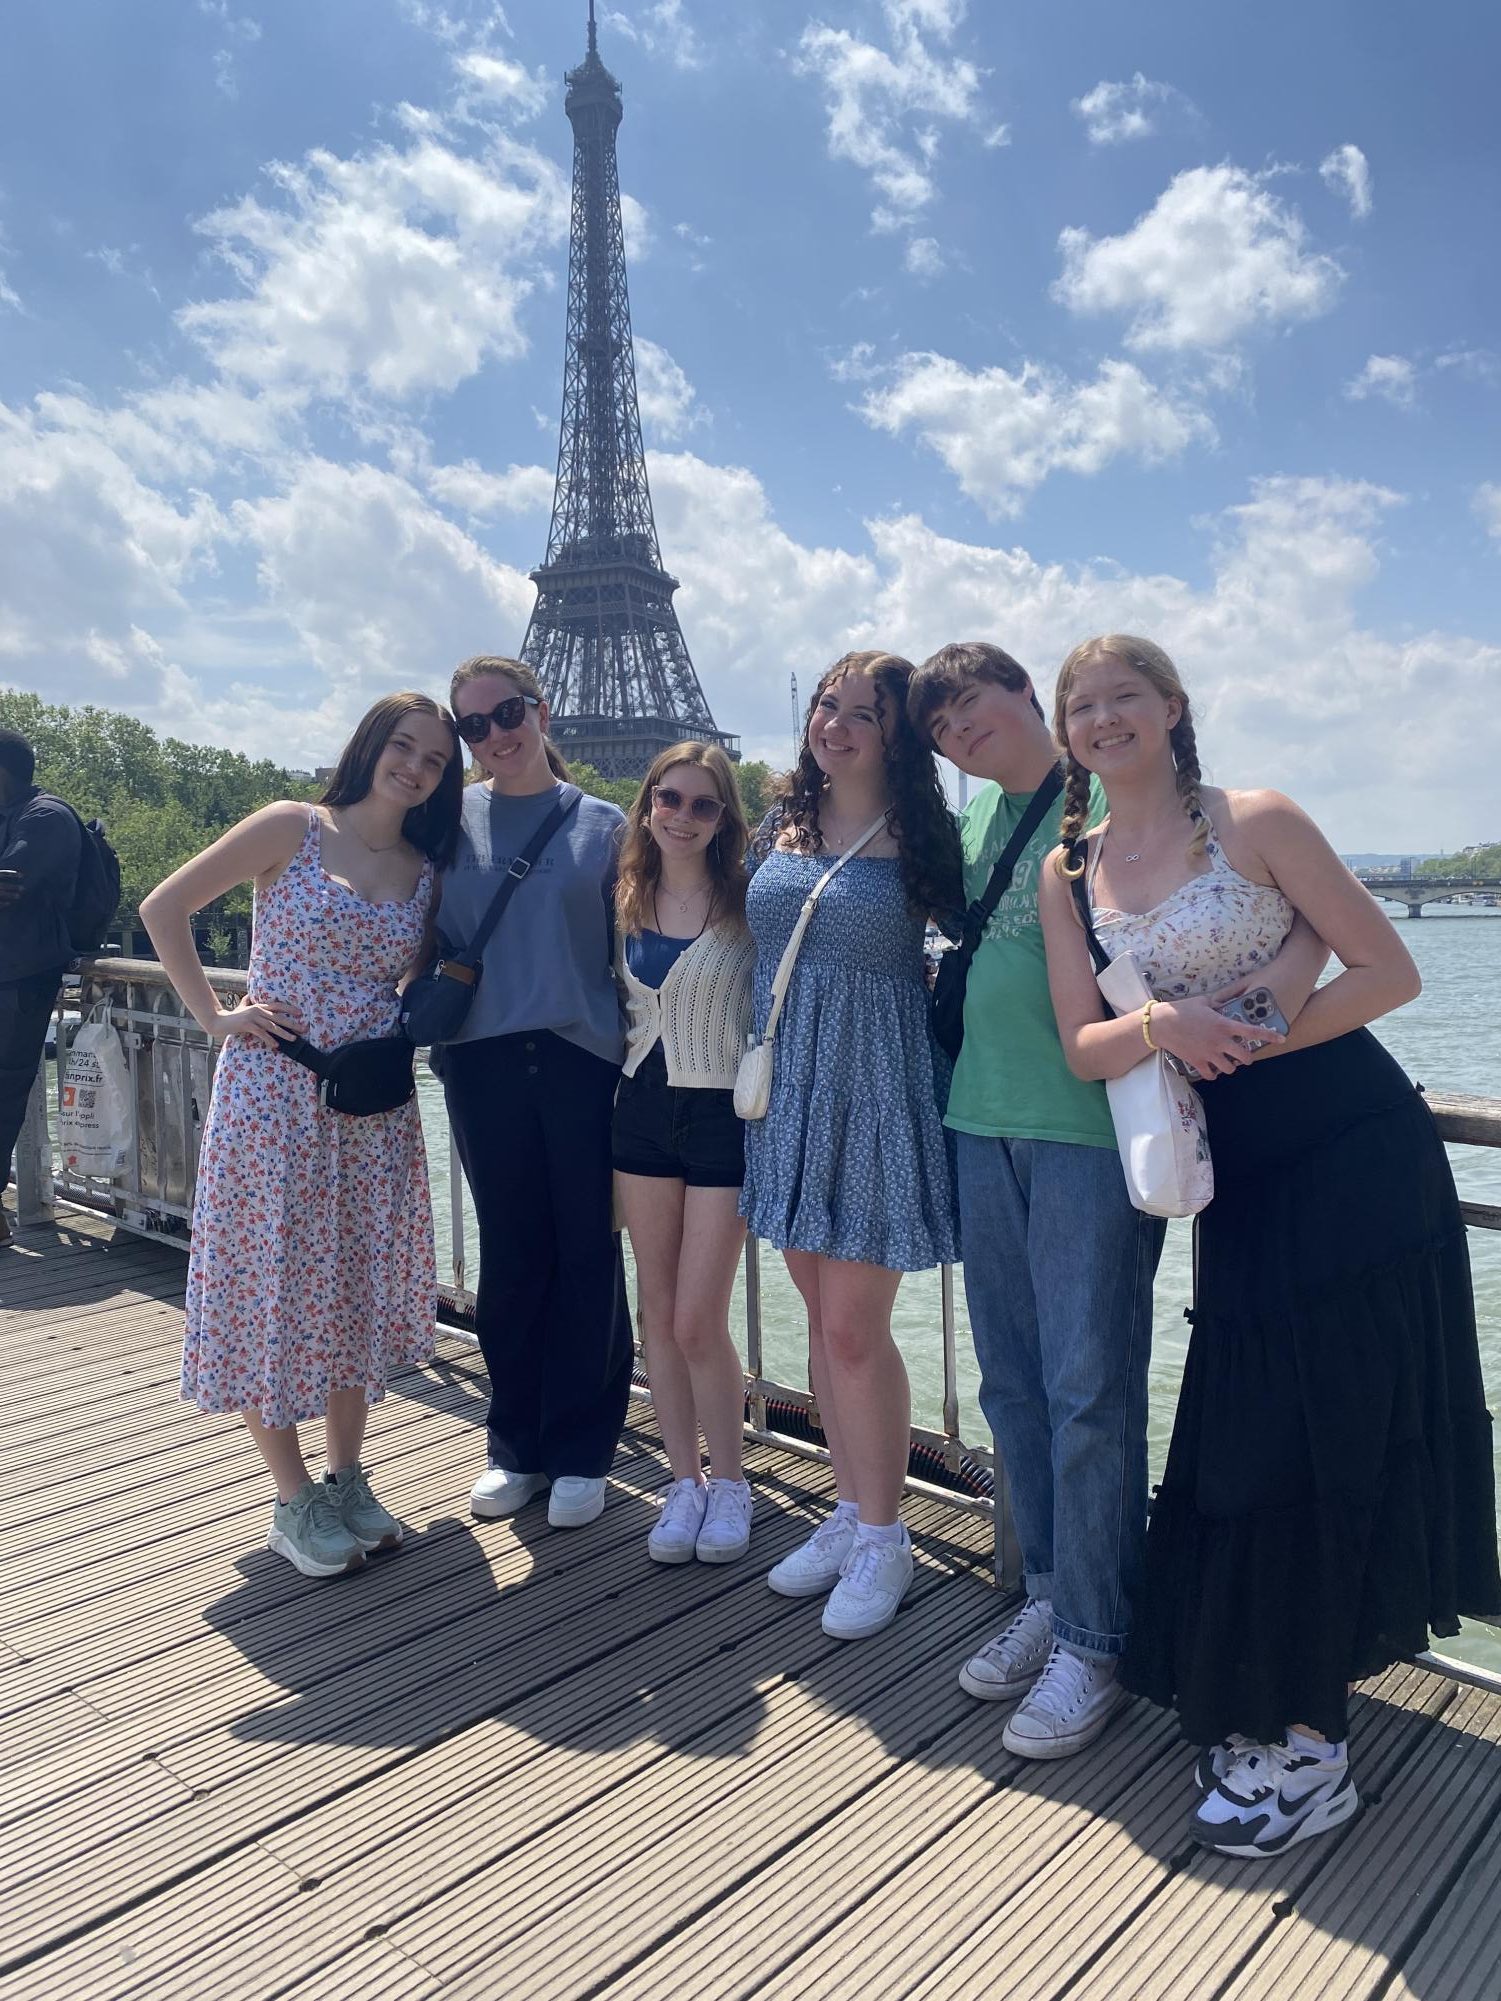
(531, 1114)
(25, 1010)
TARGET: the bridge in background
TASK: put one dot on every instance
(1416, 890)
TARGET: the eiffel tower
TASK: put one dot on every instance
(604, 638)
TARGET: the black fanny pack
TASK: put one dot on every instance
(361, 1079)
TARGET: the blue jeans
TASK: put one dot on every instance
(1058, 1271)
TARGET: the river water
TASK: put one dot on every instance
(1449, 1039)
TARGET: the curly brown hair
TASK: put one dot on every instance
(640, 867)
(1146, 658)
(919, 816)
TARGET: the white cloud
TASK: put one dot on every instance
(380, 590)
(1116, 112)
(495, 79)
(240, 30)
(1001, 433)
(472, 490)
(1348, 172)
(635, 228)
(668, 402)
(9, 299)
(1390, 376)
(923, 258)
(884, 104)
(393, 272)
(1293, 689)
(661, 29)
(1217, 255)
(1488, 507)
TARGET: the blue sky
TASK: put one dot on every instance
(996, 321)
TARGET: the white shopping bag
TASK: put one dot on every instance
(95, 1127)
(1159, 1117)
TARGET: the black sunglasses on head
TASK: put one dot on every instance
(667, 799)
(507, 715)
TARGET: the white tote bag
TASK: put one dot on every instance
(94, 1128)
(1159, 1116)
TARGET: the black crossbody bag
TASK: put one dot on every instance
(361, 1079)
(435, 1007)
(947, 1007)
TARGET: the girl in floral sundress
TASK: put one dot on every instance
(312, 1274)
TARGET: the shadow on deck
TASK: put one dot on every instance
(530, 1763)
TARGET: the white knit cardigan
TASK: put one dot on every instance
(701, 1013)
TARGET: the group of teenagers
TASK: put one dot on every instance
(1328, 1497)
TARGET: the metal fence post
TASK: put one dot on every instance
(34, 1197)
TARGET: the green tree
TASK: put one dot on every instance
(161, 801)
(1482, 860)
(758, 788)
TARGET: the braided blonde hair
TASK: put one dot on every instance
(1148, 660)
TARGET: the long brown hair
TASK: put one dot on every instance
(478, 665)
(919, 817)
(1146, 658)
(640, 868)
(433, 827)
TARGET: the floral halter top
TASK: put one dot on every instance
(1207, 933)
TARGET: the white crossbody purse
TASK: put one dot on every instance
(753, 1078)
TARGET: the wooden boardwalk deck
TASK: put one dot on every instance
(521, 1763)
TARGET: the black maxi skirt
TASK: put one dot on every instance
(1329, 1495)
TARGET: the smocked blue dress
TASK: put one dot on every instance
(850, 1160)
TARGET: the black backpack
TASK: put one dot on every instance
(96, 892)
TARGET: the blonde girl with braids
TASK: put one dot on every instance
(684, 957)
(1328, 1500)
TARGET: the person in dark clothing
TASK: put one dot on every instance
(40, 842)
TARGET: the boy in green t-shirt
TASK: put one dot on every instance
(1058, 1266)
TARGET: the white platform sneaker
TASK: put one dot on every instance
(497, 1493)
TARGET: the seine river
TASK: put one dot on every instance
(1449, 1040)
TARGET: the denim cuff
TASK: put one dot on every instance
(1093, 1646)
(1039, 1584)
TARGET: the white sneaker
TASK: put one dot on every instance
(874, 1581)
(1006, 1667)
(1215, 1760)
(1066, 1708)
(497, 1493)
(814, 1566)
(725, 1534)
(678, 1524)
(575, 1501)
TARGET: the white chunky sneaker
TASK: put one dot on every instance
(814, 1566)
(678, 1524)
(1065, 1709)
(496, 1493)
(1006, 1667)
(575, 1501)
(875, 1579)
(1272, 1797)
(725, 1534)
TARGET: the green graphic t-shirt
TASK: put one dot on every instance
(1011, 1081)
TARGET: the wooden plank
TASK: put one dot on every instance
(1388, 1877)
(372, 1972)
(1143, 1873)
(1458, 1954)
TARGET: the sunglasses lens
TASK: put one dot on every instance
(507, 715)
(474, 729)
(707, 810)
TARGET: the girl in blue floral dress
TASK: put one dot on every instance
(847, 1175)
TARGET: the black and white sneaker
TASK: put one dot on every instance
(1272, 1797)
(1216, 1759)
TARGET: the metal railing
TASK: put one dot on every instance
(171, 1064)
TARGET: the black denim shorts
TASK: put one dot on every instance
(664, 1130)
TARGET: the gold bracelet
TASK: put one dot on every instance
(1146, 1025)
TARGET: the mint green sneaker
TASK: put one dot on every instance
(310, 1533)
(372, 1526)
